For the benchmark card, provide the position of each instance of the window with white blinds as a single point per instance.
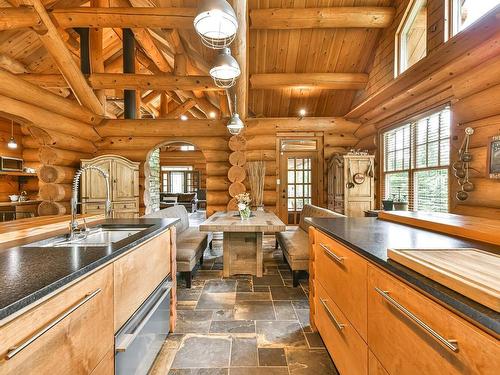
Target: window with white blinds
(416, 159)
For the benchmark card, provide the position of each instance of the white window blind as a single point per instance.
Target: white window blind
(416, 160)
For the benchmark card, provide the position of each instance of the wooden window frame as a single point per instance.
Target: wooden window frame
(408, 16)
(412, 169)
(452, 12)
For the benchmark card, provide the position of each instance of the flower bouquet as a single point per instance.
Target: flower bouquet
(243, 200)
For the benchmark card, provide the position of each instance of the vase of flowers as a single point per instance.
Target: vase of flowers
(243, 200)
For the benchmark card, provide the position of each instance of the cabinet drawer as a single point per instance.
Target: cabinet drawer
(68, 334)
(347, 348)
(107, 364)
(125, 206)
(374, 366)
(404, 345)
(138, 273)
(343, 274)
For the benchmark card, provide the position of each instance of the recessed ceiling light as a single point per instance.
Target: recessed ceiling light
(212, 114)
(184, 117)
(302, 112)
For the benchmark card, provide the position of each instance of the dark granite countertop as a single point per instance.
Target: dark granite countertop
(30, 273)
(371, 237)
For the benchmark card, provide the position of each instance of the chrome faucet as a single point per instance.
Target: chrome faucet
(73, 226)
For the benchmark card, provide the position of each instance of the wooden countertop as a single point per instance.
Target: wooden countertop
(19, 203)
(470, 227)
(20, 232)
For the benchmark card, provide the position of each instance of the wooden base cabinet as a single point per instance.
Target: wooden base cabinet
(68, 334)
(373, 323)
(404, 347)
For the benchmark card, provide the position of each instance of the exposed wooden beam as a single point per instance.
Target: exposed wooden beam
(239, 49)
(45, 80)
(14, 87)
(123, 17)
(312, 18)
(150, 82)
(327, 81)
(12, 65)
(65, 62)
(18, 18)
(96, 56)
(181, 109)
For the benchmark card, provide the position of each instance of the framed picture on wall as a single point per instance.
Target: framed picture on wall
(494, 157)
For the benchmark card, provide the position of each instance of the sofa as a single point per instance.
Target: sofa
(188, 200)
(294, 242)
(190, 242)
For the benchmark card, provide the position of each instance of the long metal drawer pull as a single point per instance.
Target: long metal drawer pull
(450, 344)
(331, 253)
(15, 350)
(339, 325)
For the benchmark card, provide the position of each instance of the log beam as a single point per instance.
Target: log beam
(62, 56)
(313, 18)
(327, 81)
(181, 109)
(123, 17)
(151, 82)
(19, 18)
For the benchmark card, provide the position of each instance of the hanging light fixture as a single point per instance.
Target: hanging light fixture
(235, 125)
(225, 70)
(216, 23)
(12, 141)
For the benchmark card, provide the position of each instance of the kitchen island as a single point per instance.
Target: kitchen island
(367, 306)
(73, 298)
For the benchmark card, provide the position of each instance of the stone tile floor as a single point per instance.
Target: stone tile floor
(243, 325)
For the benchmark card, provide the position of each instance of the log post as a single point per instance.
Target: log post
(239, 50)
(129, 67)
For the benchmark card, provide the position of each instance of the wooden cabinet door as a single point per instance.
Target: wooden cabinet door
(94, 186)
(125, 181)
(68, 334)
(138, 273)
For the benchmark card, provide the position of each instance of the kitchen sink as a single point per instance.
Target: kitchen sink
(101, 236)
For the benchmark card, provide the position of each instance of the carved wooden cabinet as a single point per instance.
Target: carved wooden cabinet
(124, 186)
(351, 188)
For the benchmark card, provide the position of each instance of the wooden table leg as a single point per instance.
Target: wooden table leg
(260, 263)
(226, 251)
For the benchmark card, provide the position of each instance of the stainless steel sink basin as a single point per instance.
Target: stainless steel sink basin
(94, 237)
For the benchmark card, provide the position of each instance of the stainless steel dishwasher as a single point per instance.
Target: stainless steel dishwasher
(140, 339)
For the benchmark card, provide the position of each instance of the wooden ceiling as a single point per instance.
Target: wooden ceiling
(272, 48)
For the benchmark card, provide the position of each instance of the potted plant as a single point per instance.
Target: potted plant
(243, 200)
(400, 203)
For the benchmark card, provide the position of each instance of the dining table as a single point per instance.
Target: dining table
(242, 239)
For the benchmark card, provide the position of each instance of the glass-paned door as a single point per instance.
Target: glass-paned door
(297, 185)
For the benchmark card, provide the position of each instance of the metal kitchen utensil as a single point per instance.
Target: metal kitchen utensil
(369, 171)
(349, 184)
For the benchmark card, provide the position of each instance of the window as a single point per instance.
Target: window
(187, 148)
(416, 158)
(466, 12)
(179, 179)
(411, 38)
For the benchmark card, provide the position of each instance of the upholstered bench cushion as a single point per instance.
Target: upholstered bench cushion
(295, 242)
(171, 212)
(189, 243)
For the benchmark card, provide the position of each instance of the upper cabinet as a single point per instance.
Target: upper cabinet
(124, 186)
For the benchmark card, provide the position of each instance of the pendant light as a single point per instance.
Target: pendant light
(12, 141)
(216, 23)
(235, 125)
(225, 70)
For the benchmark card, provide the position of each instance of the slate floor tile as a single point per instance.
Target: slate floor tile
(188, 294)
(193, 321)
(303, 316)
(258, 371)
(244, 286)
(253, 296)
(200, 371)
(268, 280)
(277, 334)
(314, 340)
(254, 310)
(219, 286)
(272, 357)
(193, 352)
(261, 288)
(232, 326)
(215, 301)
(310, 361)
(244, 351)
(280, 293)
(223, 315)
(284, 310)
